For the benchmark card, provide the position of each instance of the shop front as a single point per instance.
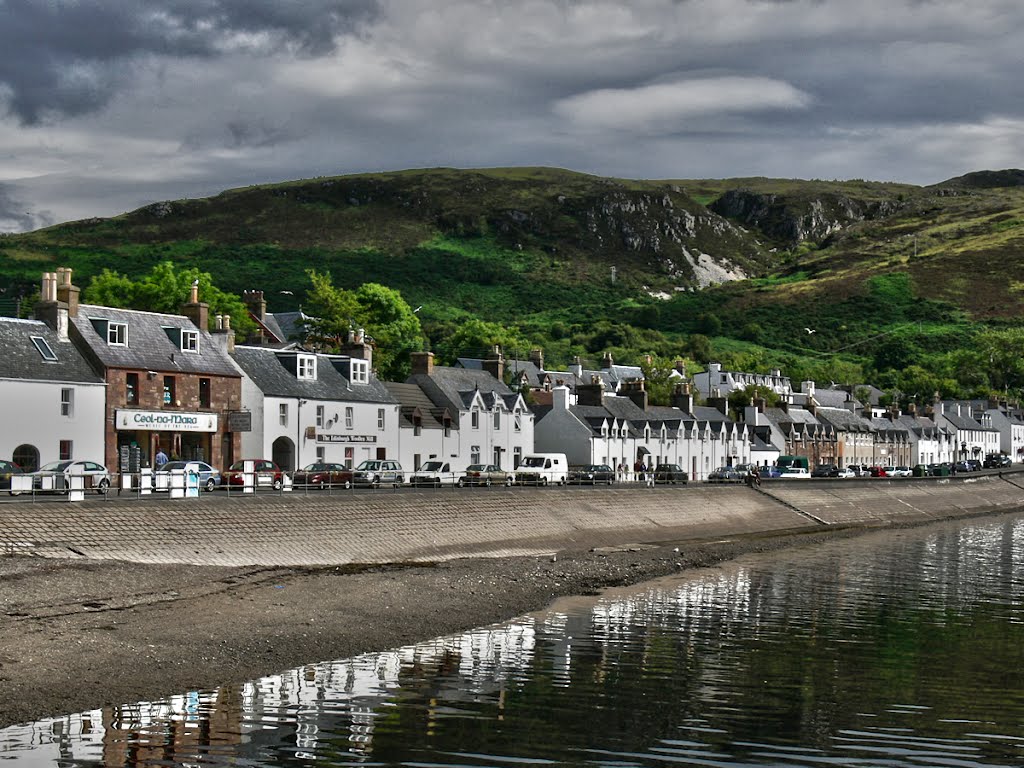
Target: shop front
(179, 435)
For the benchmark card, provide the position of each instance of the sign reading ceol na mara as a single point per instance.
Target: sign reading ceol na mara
(165, 421)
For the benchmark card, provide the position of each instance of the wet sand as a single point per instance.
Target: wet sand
(81, 634)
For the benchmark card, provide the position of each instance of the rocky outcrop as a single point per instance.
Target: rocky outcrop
(794, 220)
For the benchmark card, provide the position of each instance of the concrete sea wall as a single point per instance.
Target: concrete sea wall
(296, 529)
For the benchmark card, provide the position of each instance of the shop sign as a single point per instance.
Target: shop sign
(346, 438)
(165, 421)
(240, 421)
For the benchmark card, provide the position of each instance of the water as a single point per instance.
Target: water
(901, 648)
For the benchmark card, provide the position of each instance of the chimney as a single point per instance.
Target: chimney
(357, 346)
(195, 310)
(590, 394)
(784, 404)
(576, 369)
(811, 405)
(256, 304)
(720, 404)
(636, 392)
(607, 362)
(681, 367)
(759, 403)
(682, 398)
(912, 409)
(495, 364)
(50, 311)
(537, 358)
(222, 333)
(422, 363)
(560, 398)
(807, 388)
(66, 292)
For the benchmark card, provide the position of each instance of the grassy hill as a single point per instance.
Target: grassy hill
(579, 263)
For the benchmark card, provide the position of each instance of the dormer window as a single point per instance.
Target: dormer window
(43, 347)
(189, 340)
(306, 367)
(117, 334)
(360, 372)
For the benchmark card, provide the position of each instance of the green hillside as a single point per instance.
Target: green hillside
(580, 264)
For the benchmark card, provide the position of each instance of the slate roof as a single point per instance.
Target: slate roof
(454, 388)
(410, 399)
(21, 359)
(832, 398)
(269, 370)
(963, 421)
(149, 347)
(844, 420)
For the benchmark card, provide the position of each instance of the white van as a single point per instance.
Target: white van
(543, 469)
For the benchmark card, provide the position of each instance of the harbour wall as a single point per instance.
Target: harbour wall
(313, 529)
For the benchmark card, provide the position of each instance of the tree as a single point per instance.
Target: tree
(165, 289)
(658, 379)
(380, 311)
(476, 338)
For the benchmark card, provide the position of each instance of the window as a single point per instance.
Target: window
(497, 421)
(348, 417)
(518, 417)
(66, 450)
(517, 456)
(360, 372)
(67, 402)
(350, 455)
(319, 416)
(306, 367)
(131, 388)
(282, 414)
(189, 340)
(321, 454)
(44, 349)
(117, 334)
(380, 419)
(169, 398)
(475, 421)
(204, 393)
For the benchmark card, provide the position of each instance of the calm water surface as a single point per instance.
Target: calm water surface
(903, 648)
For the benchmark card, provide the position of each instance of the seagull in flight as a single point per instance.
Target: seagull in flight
(810, 330)
(417, 309)
(287, 293)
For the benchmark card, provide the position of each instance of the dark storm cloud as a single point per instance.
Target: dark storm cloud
(14, 217)
(68, 58)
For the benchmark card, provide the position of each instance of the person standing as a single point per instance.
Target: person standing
(160, 459)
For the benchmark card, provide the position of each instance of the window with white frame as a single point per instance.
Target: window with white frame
(518, 421)
(282, 414)
(321, 454)
(117, 334)
(497, 421)
(380, 419)
(360, 372)
(319, 416)
(189, 340)
(348, 417)
(306, 367)
(67, 402)
(475, 422)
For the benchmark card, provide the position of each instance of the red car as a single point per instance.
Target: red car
(324, 475)
(266, 473)
(878, 472)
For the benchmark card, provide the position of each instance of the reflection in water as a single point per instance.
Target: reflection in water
(897, 649)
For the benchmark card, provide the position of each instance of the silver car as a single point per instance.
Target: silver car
(378, 472)
(56, 476)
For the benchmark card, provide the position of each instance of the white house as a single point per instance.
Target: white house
(51, 400)
(307, 407)
(488, 422)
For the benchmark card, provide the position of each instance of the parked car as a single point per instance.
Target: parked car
(671, 474)
(378, 472)
(845, 473)
(486, 475)
(795, 473)
(825, 470)
(434, 474)
(901, 471)
(8, 468)
(265, 472)
(323, 474)
(591, 474)
(728, 473)
(209, 478)
(963, 466)
(877, 471)
(57, 475)
(997, 461)
(769, 472)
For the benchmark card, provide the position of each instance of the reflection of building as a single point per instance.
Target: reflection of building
(170, 384)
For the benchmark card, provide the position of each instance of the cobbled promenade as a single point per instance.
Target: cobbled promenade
(388, 526)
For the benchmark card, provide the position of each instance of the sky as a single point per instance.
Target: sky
(108, 105)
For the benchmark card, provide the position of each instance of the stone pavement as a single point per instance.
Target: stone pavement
(297, 529)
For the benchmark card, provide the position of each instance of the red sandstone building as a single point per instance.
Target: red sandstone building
(171, 384)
